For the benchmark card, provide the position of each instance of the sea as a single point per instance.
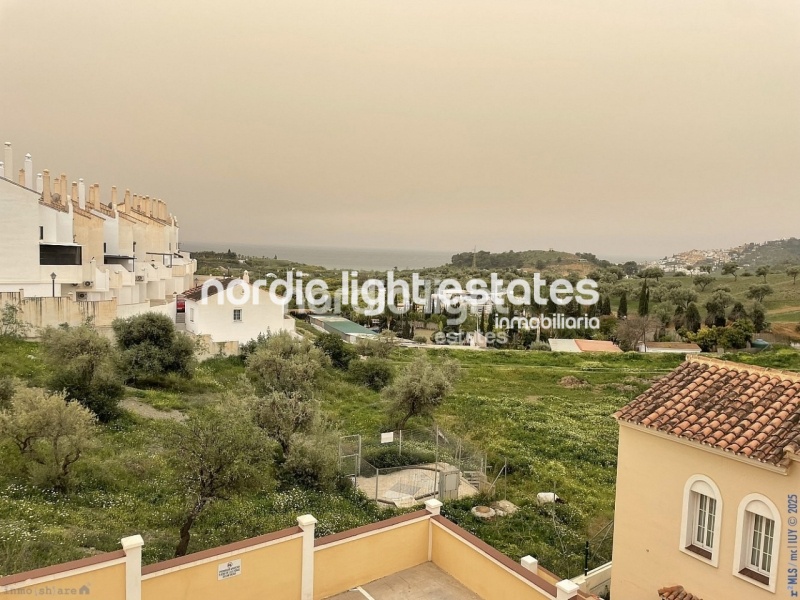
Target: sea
(367, 259)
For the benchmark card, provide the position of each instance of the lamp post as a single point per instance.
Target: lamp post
(53, 278)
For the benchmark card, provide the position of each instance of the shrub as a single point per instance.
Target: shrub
(413, 453)
(50, 432)
(374, 373)
(421, 387)
(11, 326)
(151, 347)
(312, 462)
(540, 346)
(83, 366)
(7, 386)
(285, 364)
(339, 353)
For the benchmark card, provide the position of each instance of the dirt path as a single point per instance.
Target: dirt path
(783, 309)
(148, 412)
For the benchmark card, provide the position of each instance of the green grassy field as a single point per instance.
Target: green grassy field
(556, 434)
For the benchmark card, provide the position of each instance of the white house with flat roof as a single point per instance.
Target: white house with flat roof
(233, 312)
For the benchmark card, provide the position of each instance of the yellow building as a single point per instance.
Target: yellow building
(419, 555)
(707, 489)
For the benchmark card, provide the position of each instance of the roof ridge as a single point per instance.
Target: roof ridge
(737, 366)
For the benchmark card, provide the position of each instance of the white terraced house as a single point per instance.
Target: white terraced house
(69, 254)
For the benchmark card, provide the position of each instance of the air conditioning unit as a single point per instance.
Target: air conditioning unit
(140, 278)
(82, 296)
(87, 284)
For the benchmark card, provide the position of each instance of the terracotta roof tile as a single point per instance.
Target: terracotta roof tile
(676, 592)
(746, 410)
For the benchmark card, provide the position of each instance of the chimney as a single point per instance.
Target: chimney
(8, 160)
(39, 183)
(21, 177)
(127, 201)
(46, 191)
(147, 206)
(63, 188)
(93, 195)
(81, 194)
(74, 196)
(28, 172)
(113, 196)
(2, 170)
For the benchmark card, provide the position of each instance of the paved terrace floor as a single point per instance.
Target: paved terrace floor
(423, 582)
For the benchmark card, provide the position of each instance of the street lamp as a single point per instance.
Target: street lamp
(53, 277)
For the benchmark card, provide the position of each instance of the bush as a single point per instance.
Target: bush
(312, 462)
(374, 373)
(413, 453)
(336, 349)
(420, 339)
(285, 364)
(83, 366)
(50, 433)
(7, 386)
(11, 326)
(151, 347)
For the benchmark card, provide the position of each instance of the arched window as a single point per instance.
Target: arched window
(702, 512)
(758, 534)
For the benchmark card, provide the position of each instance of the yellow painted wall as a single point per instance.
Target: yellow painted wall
(476, 571)
(652, 474)
(52, 312)
(343, 566)
(89, 232)
(107, 583)
(272, 572)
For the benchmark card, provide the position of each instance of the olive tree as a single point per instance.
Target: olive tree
(83, 366)
(51, 433)
(285, 364)
(217, 453)
(420, 387)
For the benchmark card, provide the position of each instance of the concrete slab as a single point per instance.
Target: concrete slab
(423, 582)
(410, 486)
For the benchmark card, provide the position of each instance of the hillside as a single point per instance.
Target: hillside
(773, 253)
(554, 260)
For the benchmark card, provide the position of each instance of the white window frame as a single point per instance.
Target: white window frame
(751, 506)
(697, 486)
(241, 315)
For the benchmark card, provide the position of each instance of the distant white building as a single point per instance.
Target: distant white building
(69, 254)
(224, 325)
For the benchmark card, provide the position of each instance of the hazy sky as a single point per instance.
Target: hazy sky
(618, 127)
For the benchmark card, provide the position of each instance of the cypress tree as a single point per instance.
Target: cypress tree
(692, 320)
(644, 300)
(605, 306)
(622, 310)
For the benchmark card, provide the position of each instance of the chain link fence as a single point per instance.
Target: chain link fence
(406, 467)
